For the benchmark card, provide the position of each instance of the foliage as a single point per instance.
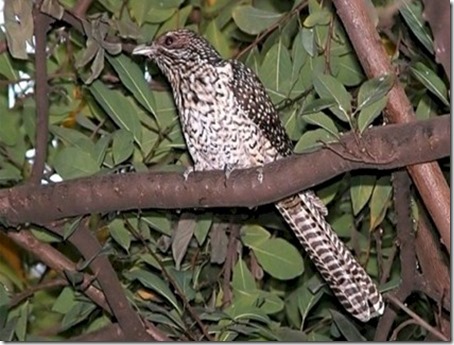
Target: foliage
(105, 118)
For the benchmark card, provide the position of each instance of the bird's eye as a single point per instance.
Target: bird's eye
(168, 41)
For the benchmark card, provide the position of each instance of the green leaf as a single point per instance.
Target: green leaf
(96, 67)
(271, 304)
(22, 321)
(158, 15)
(72, 162)
(307, 300)
(7, 332)
(242, 278)
(79, 312)
(253, 20)
(309, 43)
(203, 227)
(122, 145)
(133, 79)
(113, 103)
(65, 301)
(320, 17)
(6, 67)
(312, 140)
(253, 235)
(374, 90)
(158, 221)
(9, 129)
(70, 227)
(425, 108)
(329, 87)
(45, 235)
(275, 72)
(347, 69)
(53, 8)
(370, 112)
(412, 13)
(72, 137)
(323, 121)
(317, 105)
(299, 56)
(430, 80)
(379, 202)
(184, 281)
(19, 27)
(182, 236)
(100, 149)
(154, 282)
(279, 258)
(120, 234)
(346, 327)
(217, 39)
(360, 191)
(178, 20)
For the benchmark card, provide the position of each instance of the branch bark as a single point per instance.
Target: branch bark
(428, 177)
(41, 25)
(390, 146)
(87, 244)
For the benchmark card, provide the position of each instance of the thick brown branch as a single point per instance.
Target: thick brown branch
(56, 260)
(392, 146)
(371, 53)
(87, 244)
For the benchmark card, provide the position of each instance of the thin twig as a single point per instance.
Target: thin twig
(417, 318)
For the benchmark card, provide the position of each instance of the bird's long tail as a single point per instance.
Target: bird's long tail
(350, 283)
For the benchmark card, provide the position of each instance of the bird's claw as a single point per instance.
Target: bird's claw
(228, 168)
(260, 174)
(188, 172)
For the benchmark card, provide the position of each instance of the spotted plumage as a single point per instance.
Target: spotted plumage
(229, 122)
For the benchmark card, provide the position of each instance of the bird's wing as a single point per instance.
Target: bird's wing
(253, 99)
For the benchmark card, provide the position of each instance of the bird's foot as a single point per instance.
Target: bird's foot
(228, 168)
(188, 172)
(260, 174)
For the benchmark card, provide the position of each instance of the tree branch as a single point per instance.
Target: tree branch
(391, 146)
(41, 25)
(87, 244)
(371, 53)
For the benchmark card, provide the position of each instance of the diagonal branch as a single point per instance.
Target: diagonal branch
(85, 242)
(428, 177)
(391, 146)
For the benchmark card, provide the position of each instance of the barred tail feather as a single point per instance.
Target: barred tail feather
(345, 276)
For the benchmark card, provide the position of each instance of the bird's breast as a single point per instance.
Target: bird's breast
(217, 131)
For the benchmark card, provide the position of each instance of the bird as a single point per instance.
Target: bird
(229, 122)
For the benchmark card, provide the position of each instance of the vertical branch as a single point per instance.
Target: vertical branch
(41, 25)
(406, 243)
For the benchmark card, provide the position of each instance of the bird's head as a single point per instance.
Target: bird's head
(178, 51)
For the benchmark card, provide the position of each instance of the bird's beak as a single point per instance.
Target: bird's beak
(144, 50)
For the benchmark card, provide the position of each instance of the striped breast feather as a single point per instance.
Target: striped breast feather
(344, 275)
